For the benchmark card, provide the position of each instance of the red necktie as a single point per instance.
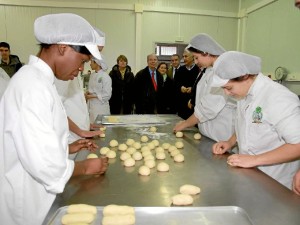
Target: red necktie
(153, 81)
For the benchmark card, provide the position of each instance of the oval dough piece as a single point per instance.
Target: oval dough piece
(182, 199)
(150, 163)
(104, 150)
(137, 156)
(160, 155)
(189, 189)
(179, 158)
(78, 218)
(113, 143)
(137, 145)
(119, 220)
(102, 135)
(122, 147)
(92, 156)
(144, 171)
(179, 144)
(111, 210)
(111, 154)
(162, 167)
(130, 142)
(153, 129)
(124, 156)
(144, 138)
(197, 136)
(129, 162)
(131, 150)
(179, 134)
(82, 208)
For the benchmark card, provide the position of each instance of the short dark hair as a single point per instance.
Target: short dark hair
(5, 45)
(122, 57)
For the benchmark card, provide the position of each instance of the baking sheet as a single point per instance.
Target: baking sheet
(132, 119)
(223, 215)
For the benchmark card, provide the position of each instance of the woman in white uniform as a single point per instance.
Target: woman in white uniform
(4, 79)
(99, 90)
(214, 111)
(34, 164)
(267, 128)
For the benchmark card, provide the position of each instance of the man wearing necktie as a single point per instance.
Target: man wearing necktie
(147, 84)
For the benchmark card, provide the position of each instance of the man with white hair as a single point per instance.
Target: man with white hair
(34, 164)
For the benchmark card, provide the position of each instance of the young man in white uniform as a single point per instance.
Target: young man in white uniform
(214, 111)
(267, 128)
(34, 164)
(4, 79)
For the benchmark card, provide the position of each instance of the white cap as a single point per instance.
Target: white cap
(206, 43)
(101, 63)
(67, 28)
(234, 64)
(101, 38)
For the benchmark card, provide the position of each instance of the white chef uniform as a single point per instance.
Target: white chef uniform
(34, 163)
(278, 123)
(214, 110)
(100, 85)
(4, 79)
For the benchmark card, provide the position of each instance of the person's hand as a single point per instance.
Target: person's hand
(245, 161)
(188, 90)
(95, 166)
(296, 183)
(179, 126)
(221, 147)
(82, 144)
(183, 89)
(190, 105)
(88, 133)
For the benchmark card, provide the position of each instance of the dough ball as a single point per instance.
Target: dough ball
(122, 147)
(129, 142)
(92, 156)
(102, 135)
(82, 208)
(189, 189)
(145, 149)
(179, 158)
(197, 136)
(137, 156)
(137, 145)
(182, 199)
(144, 138)
(129, 162)
(159, 149)
(179, 144)
(166, 146)
(111, 154)
(155, 142)
(144, 171)
(172, 148)
(111, 210)
(126, 219)
(147, 157)
(179, 134)
(102, 128)
(104, 150)
(113, 143)
(174, 153)
(150, 163)
(74, 218)
(153, 129)
(162, 167)
(124, 156)
(160, 155)
(131, 150)
(151, 146)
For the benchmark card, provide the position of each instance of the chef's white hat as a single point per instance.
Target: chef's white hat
(205, 43)
(101, 63)
(234, 64)
(67, 28)
(101, 38)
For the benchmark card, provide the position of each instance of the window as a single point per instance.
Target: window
(164, 51)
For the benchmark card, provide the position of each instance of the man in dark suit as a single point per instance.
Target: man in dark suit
(148, 83)
(175, 64)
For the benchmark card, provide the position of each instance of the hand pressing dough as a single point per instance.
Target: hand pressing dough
(92, 156)
(137, 145)
(102, 135)
(165, 146)
(144, 171)
(122, 147)
(197, 136)
(130, 142)
(179, 158)
(189, 189)
(160, 155)
(179, 144)
(131, 150)
(137, 156)
(104, 150)
(155, 142)
(111, 154)
(78, 218)
(81, 208)
(153, 129)
(144, 138)
(162, 167)
(119, 220)
(113, 143)
(150, 163)
(129, 162)
(124, 156)
(179, 134)
(111, 210)
(182, 199)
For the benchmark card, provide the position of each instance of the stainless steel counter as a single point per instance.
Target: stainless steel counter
(265, 200)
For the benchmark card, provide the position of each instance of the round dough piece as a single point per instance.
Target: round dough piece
(144, 171)
(129, 142)
(123, 147)
(172, 148)
(137, 145)
(174, 153)
(182, 199)
(153, 129)
(111, 154)
(144, 138)
(129, 162)
(189, 189)
(160, 155)
(155, 142)
(124, 156)
(113, 143)
(147, 157)
(179, 144)
(145, 153)
(102, 128)
(159, 149)
(102, 135)
(137, 156)
(179, 158)
(150, 163)
(166, 146)
(131, 150)
(179, 134)
(104, 150)
(162, 167)
(145, 149)
(92, 156)
(151, 146)
(197, 136)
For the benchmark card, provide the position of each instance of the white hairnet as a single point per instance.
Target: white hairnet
(234, 64)
(205, 43)
(102, 37)
(101, 63)
(67, 28)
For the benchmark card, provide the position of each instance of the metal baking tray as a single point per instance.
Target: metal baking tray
(220, 215)
(132, 119)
